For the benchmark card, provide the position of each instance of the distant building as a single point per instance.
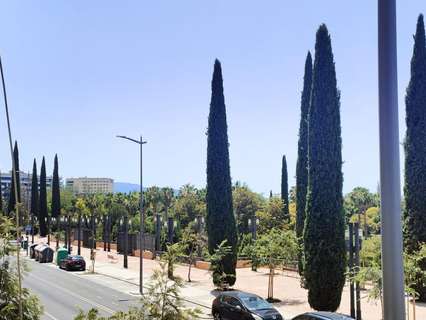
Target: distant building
(87, 185)
(25, 180)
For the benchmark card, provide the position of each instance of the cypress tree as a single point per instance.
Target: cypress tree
(324, 234)
(415, 149)
(220, 217)
(12, 198)
(284, 188)
(302, 160)
(56, 195)
(34, 191)
(43, 201)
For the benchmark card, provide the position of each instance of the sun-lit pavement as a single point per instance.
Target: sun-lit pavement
(286, 285)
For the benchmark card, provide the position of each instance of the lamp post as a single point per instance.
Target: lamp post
(104, 233)
(199, 220)
(171, 225)
(79, 234)
(253, 223)
(47, 220)
(157, 233)
(390, 184)
(124, 223)
(141, 227)
(109, 232)
(69, 233)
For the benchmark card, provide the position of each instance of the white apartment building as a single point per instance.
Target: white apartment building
(85, 185)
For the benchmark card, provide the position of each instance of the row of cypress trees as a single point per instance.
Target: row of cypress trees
(39, 196)
(38, 207)
(319, 181)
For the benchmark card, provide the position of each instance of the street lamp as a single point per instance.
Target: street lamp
(157, 233)
(124, 223)
(141, 230)
(170, 224)
(253, 223)
(79, 234)
(199, 220)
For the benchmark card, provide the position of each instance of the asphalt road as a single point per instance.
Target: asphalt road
(64, 293)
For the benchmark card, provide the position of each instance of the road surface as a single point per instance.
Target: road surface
(64, 293)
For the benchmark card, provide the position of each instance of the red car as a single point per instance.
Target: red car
(73, 263)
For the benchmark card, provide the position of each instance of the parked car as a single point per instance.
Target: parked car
(322, 316)
(238, 305)
(73, 262)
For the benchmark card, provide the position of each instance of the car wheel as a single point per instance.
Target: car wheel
(217, 316)
(67, 267)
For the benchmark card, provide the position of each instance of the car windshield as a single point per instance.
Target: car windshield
(255, 303)
(76, 258)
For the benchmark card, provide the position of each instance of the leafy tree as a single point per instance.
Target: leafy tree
(218, 267)
(276, 248)
(9, 282)
(189, 204)
(246, 204)
(34, 191)
(188, 245)
(220, 216)
(302, 160)
(171, 257)
(324, 233)
(415, 148)
(43, 215)
(284, 188)
(12, 197)
(271, 215)
(372, 220)
(56, 193)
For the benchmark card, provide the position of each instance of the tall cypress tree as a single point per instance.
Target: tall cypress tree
(284, 188)
(43, 215)
(56, 195)
(220, 217)
(302, 160)
(324, 234)
(34, 191)
(12, 198)
(415, 148)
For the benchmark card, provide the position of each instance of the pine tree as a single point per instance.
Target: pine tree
(43, 215)
(12, 197)
(302, 160)
(284, 188)
(415, 149)
(34, 191)
(324, 234)
(56, 195)
(220, 217)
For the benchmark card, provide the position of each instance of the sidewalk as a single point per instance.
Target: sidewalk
(201, 290)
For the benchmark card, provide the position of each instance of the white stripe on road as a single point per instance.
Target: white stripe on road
(50, 316)
(99, 306)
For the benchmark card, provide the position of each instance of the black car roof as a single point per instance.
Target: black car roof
(237, 294)
(330, 315)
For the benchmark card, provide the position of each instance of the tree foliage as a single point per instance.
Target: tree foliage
(284, 188)
(9, 285)
(220, 216)
(302, 159)
(43, 215)
(12, 197)
(56, 193)
(324, 233)
(415, 147)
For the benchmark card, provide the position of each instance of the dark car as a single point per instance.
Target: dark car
(73, 263)
(322, 316)
(237, 305)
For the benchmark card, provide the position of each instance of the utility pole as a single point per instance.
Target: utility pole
(392, 268)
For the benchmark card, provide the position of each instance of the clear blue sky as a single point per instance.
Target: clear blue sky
(80, 72)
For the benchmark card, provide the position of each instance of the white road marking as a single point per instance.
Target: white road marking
(99, 306)
(50, 316)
